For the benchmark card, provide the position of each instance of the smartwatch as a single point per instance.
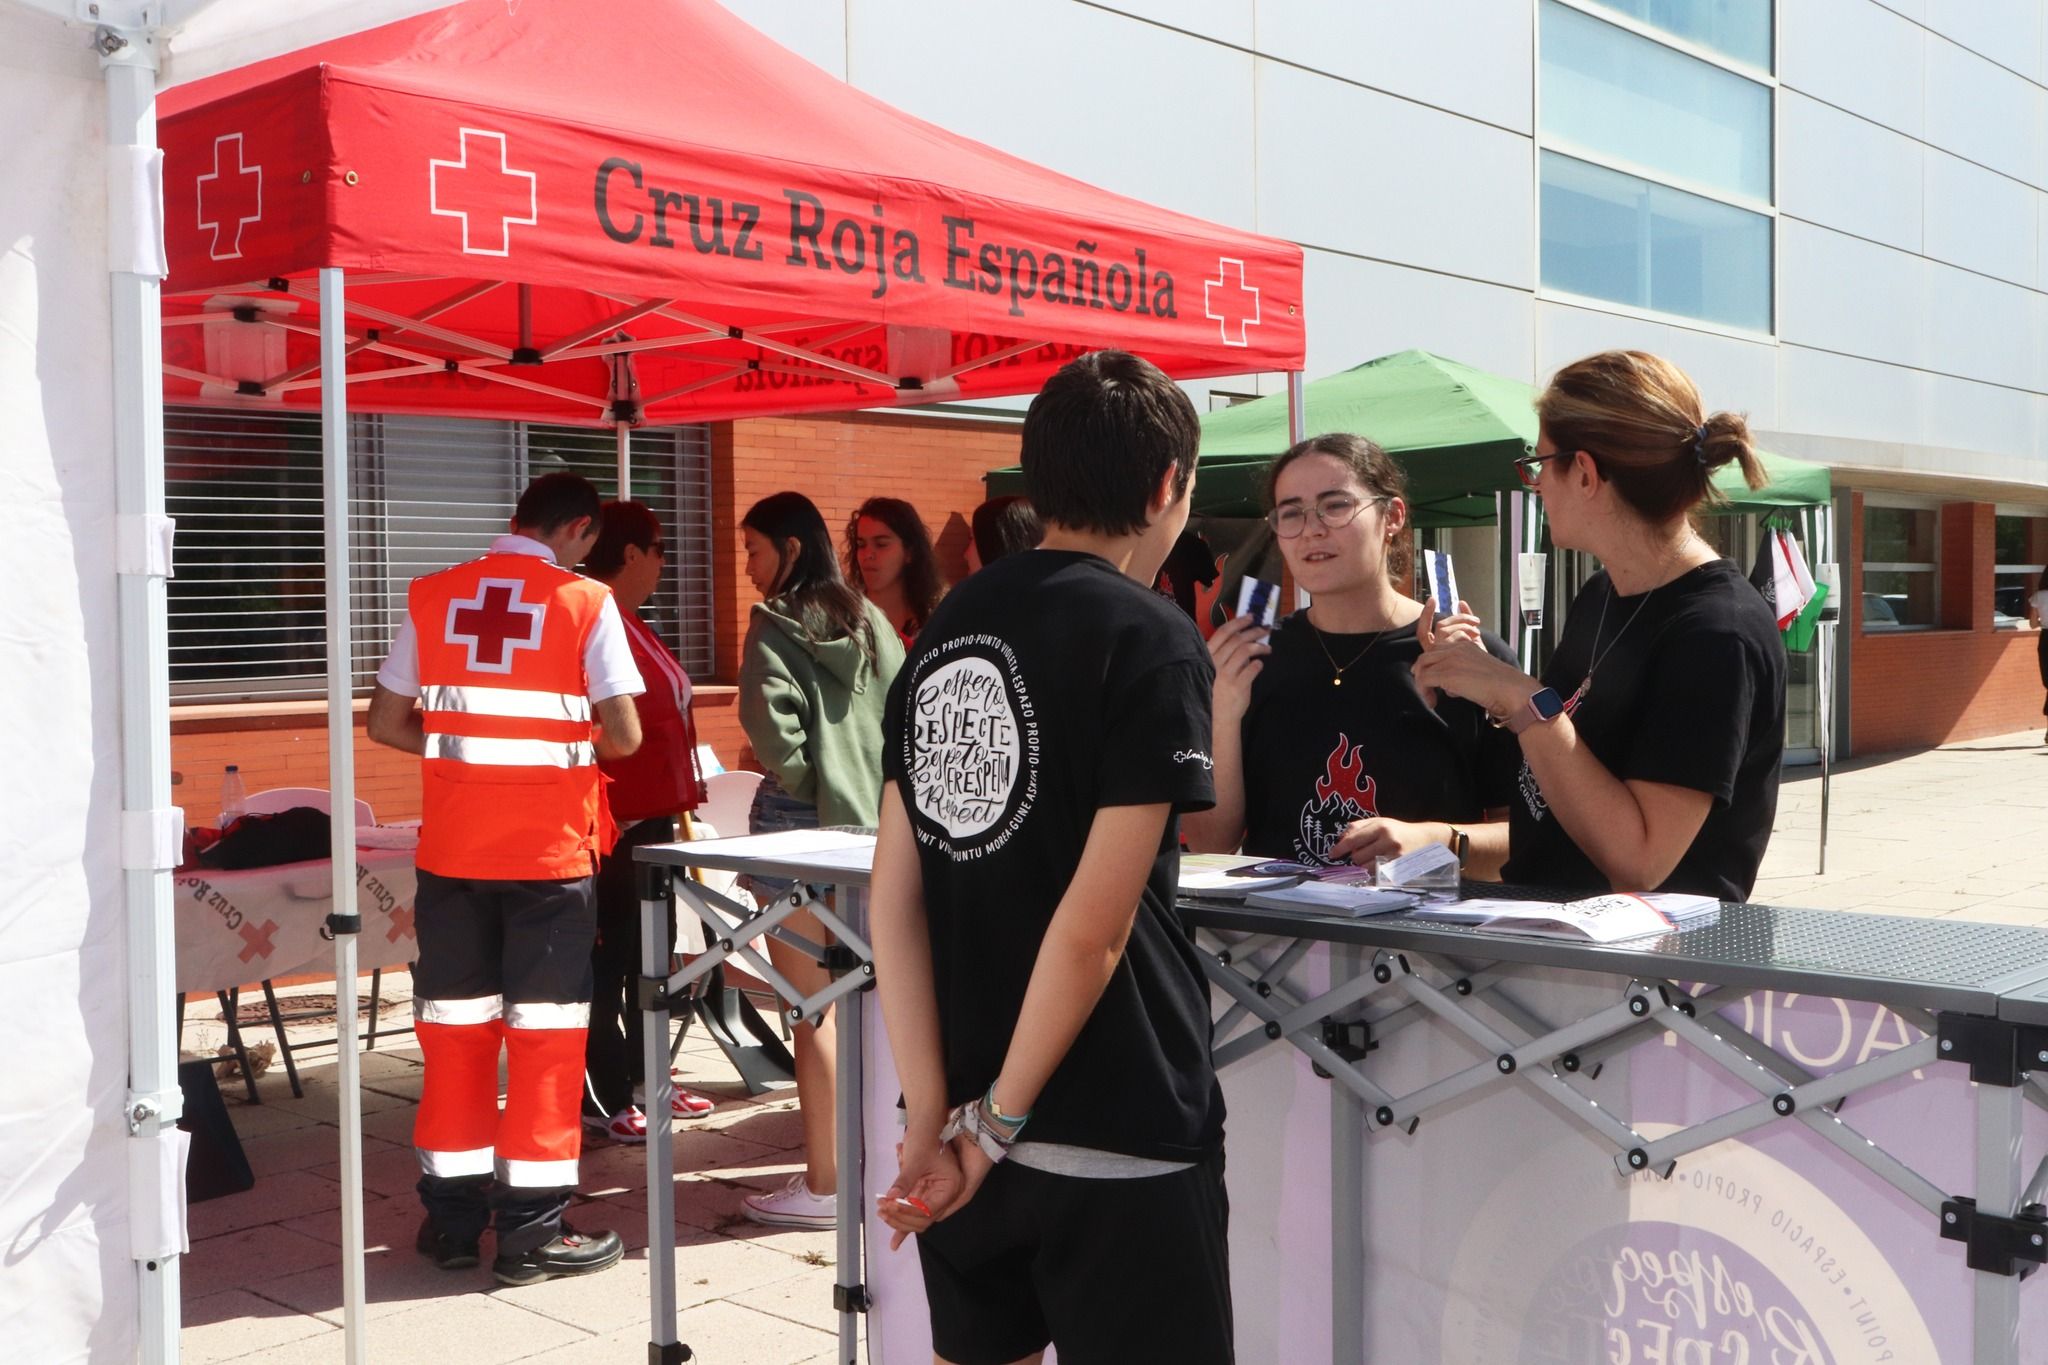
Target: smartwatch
(1461, 843)
(1545, 705)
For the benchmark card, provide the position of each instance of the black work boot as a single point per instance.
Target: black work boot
(569, 1253)
(446, 1251)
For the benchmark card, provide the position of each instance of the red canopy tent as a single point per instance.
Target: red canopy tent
(639, 211)
(646, 211)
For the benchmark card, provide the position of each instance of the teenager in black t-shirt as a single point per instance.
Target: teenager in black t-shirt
(1651, 747)
(1326, 750)
(1061, 1163)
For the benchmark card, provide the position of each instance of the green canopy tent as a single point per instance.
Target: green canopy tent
(1456, 431)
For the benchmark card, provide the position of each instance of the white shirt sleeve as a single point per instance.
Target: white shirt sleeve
(608, 658)
(401, 670)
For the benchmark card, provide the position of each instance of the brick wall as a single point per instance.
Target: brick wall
(1917, 689)
(838, 462)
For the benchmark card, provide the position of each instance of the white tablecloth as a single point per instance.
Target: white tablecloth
(235, 928)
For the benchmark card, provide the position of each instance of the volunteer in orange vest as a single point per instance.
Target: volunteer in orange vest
(510, 678)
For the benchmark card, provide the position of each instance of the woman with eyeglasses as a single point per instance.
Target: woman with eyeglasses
(647, 790)
(1651, 746)
(1326, 751)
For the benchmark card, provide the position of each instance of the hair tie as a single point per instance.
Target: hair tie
(1699, 443)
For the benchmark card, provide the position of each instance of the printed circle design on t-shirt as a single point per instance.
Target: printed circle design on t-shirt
(967, 744)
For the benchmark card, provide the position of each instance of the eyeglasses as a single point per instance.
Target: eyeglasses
(1530, 467)
(1333, 510)
(657, 549)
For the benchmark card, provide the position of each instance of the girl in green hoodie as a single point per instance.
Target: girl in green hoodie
(814, 676)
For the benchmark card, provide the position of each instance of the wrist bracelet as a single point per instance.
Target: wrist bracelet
(1014, 1124)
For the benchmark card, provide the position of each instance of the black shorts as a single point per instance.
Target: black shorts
(1113, 1272)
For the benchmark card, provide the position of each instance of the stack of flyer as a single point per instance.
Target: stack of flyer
(1598, 919)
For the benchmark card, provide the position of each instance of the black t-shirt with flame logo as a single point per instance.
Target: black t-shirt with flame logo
(1318, 757)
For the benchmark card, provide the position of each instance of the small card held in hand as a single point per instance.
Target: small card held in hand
(1443, 582)
(1259, 599)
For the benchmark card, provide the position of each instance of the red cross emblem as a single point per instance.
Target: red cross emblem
(401, 925)
(257, 941)
(1230, 301)
(230, 198)
(481, 189)
(495, 624)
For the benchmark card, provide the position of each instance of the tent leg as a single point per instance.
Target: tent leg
(341, 784)
(153, 1103)
(1297, 431)
(625, 431)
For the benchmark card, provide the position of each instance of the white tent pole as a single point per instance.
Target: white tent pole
(625, 431)
(1297, 431)
(149, 822)
(341, 785)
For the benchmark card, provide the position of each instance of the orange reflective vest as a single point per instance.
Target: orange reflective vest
(509, 784)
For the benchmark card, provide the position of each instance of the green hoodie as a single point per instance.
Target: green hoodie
(812, 709)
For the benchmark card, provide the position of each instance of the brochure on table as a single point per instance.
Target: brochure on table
(1597, 919)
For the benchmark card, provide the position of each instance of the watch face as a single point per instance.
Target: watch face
(1547, 703)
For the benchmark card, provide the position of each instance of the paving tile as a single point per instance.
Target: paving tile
(708, 1267)
(722, 1332)
(245, 1257)
(235, 1322)
(800, 1298)
(470, 1328)
(274, 1199)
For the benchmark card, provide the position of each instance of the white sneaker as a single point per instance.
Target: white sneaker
(794, 1206)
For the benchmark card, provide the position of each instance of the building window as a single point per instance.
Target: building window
(248, 606)
(1656, 163)
(2022, 554)
(1901, 556)
(1739, 30)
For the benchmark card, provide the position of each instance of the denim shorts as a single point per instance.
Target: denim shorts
(775, 810)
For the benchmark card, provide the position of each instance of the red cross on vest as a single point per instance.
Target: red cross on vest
(1233, 304)
(230, 197)
(257, 941)
(485, 192)
(495, 624)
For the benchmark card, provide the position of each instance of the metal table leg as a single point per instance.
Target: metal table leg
(1347, 1199)
(663, 1346)
(850, 1293)
(1995, 1325)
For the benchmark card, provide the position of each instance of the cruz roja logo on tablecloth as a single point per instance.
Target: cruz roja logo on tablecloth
(230, 197)
(495, 624)
(483, 189)
(971, 747)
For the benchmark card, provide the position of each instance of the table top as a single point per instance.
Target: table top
(832, 857)
(1927, 964)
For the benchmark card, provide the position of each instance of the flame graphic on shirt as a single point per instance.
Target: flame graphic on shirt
(1342, 772)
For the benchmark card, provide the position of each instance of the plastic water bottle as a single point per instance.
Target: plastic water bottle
(233, 796)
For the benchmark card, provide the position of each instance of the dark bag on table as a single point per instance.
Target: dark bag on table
(286, 836)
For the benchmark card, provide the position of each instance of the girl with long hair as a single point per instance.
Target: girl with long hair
(890, 561)
(814, 675)
(1325, 749)
(1651, 745)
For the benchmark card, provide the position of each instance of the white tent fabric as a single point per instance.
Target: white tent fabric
(71, 1285)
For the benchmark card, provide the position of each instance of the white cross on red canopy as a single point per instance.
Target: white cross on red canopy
(495, 624)
(1230, 301)
(485, 192)
(230, 198)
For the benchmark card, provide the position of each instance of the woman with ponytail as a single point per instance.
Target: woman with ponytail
(1650, 747)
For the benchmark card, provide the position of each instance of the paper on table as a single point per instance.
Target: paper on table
(1212, 874)
(788, 843)
(1337, 897)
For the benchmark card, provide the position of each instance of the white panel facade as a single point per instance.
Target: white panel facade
(1858, 56)
(1227, 21)
(1981, 220)
(1840, 293)
(1983, 112)
(1845, 172)
(2008, 31)
(1733, 374)
(1982, 329)
(1474, 57)
(1128, 105)
(1426, 188)
(1364, 309)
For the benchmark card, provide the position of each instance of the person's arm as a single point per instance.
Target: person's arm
(1363, 841)
(1081, 948)
(394, 720)
(1634, 831)
(618, 727)
(927, 1169)
(776, 717)
(1239, 650)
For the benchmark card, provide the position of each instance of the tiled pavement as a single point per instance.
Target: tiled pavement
(1960, 831)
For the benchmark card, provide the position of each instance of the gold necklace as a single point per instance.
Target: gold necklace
(1338, 670)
